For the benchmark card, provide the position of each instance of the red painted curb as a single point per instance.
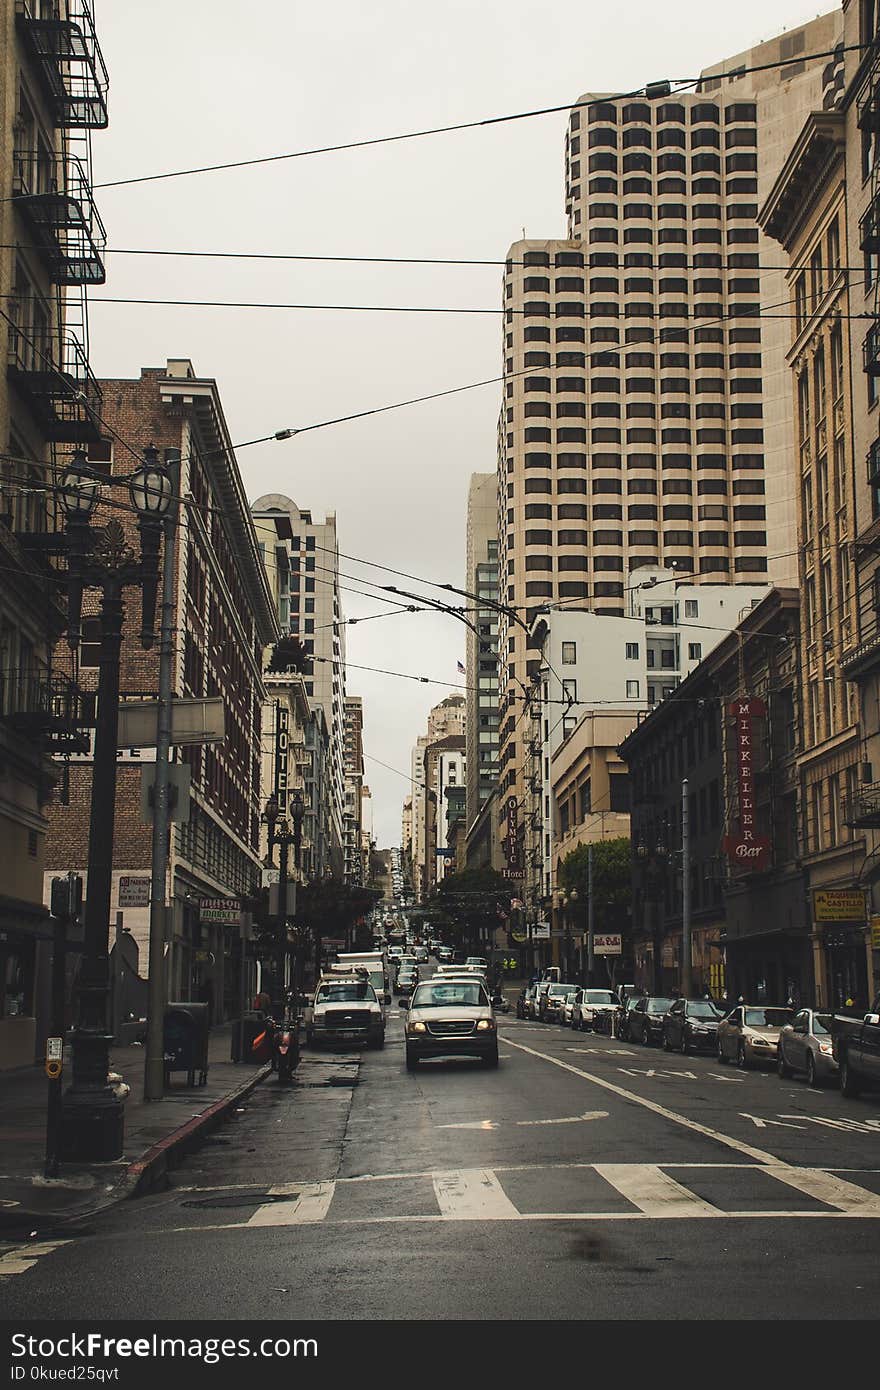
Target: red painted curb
(136, 1172)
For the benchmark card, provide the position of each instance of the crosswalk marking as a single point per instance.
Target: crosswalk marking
(473, 1194)
(825, 1187)
(310, 1202)
(654, 1192)
(18, 1261)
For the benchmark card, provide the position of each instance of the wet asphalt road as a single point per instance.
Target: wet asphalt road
(585, 1178)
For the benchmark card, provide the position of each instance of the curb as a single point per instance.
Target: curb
(147, 1173)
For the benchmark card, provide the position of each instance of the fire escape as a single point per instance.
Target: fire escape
(48, 360)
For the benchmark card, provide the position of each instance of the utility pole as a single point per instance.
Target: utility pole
(154, 1062)
(590, 915)
(685, 892)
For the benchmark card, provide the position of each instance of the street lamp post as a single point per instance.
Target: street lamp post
(280, 834)
(93, 1116)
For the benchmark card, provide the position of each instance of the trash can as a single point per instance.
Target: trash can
(186, 1041)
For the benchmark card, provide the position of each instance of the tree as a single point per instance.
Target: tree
(476, 900)
(612, 885)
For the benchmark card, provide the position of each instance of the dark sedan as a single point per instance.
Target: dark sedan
(691, 1025)
(645, 1020)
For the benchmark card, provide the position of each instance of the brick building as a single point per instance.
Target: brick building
(224, 619)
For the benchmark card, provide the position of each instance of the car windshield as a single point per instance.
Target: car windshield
(659, 1006)
(449, 993)
(599, 996)
(561, 991)
(768, 1018)
(345, 994)
(821, 1024)
(702, 1008)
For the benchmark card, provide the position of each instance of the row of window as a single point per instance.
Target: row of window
(737, 361)
(659, 188)
(667, 385)
(739, 540)
(667, 137)
(605, 435)
(537, 333)
(700, 112)
(680, 211)
(638, 161)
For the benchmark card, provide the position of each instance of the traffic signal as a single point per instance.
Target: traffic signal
(67, 897)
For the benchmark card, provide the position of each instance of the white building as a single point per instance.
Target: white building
(595, 661)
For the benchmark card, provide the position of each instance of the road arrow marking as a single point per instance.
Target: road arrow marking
(472, 1124)
(762, 1124)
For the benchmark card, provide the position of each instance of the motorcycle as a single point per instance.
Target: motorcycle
(285, 1043)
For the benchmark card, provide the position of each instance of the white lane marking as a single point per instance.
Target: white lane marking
(654, 1192)
(310, 1202)
(473, 1194)
(653, 1106)
(663, 1074)
(570, 1119)
(471, 1124)
(849, 1126)
(20, 1260)
(825, 1187)
(604, 1051)
(762, 1124)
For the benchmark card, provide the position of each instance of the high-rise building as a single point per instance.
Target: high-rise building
(446, 729)
(481, 663)
(647, 415)
(307, 553)
(52, 241)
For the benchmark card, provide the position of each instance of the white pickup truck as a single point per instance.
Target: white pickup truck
(345, 1010)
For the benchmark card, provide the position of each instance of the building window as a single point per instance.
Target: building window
(569, 653)
(691, 608)
(568, 726)
(632, 690)
(695, 651)
(569, 690)
(632, 651)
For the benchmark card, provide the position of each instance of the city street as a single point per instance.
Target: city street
(585, 1178)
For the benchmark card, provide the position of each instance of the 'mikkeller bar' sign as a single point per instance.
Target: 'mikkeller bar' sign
(746, 849)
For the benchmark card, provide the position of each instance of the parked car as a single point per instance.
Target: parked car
(450, 1018)
(805, 1045)
(749, 1035)
(540, 996)
(444, 953)
(856, 1044)
(645, 1019)
(529, 1001)
(691, 1024)
(589, 1004)
(566, 1007)
(626, 1008)
(552, 1002)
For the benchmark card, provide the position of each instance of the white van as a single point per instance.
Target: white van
(376, 965)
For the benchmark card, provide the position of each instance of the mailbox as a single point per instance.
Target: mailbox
(186, 1041)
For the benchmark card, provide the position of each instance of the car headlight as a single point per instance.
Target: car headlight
(827, 1049)
(416, 1028)
(760, 1042)
(485, 1025)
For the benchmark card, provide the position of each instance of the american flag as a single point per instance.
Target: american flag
(461, 668)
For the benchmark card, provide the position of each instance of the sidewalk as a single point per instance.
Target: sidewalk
(155, 1132)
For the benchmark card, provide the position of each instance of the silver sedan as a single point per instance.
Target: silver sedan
(805, 1046)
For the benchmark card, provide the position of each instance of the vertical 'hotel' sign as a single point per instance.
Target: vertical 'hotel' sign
(746, 849)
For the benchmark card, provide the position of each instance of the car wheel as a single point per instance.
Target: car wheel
(783, 1070)
(849, 1085)
(742, 1060)
(684, 1046)
(412, 1060)
(812, 1074)
(720, 1053)
(646, 1038)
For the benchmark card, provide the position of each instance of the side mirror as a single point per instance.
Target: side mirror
(873, 1019)
(404, 1003)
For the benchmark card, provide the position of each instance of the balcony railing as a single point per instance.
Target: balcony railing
(869, 109)
(54, 197)
(869, 228)
(871, 352)
(43, 708)
(51, 371)
(863, 808)
(873, 460)
(68, 59)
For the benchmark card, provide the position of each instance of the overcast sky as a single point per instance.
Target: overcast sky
(208, 81)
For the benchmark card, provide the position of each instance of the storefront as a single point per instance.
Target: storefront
(842, 947)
